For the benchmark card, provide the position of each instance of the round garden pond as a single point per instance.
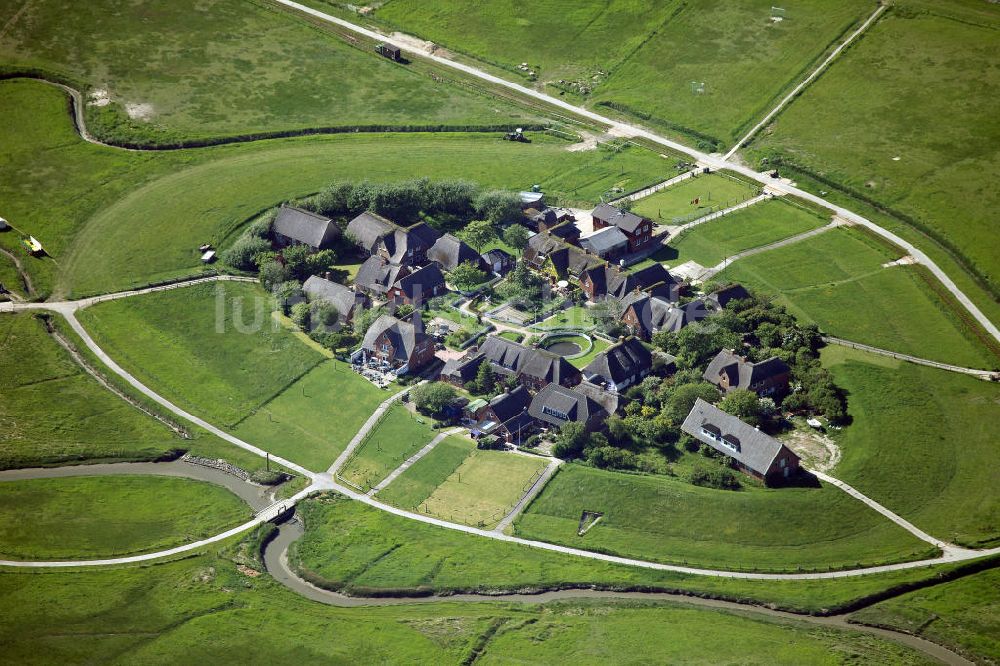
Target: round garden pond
(568, 345)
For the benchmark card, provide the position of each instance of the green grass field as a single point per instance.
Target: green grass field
(358, 549)
(599, 346)
(674, 205)
(212, 348)
(920, 441)
(202, 608)
(669, 520)
(644, 55)
(483, 488)
(764, 223)
(92, 517)
(52, 412)
(417, 483)
(227, 67)
(313, 419)
(961, 614)
(837, 281)
(397, 436)
(904, 117)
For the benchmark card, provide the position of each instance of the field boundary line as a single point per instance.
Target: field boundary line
(684, 228)
(381, 485)
(991, 375)
(532, 492)
(809, 79)
(372, 421)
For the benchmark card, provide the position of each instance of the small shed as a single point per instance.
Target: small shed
(389, 51)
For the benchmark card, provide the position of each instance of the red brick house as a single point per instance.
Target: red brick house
(730, 371)
(638, 230)
(398, 343)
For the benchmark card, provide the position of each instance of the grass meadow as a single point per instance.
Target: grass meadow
(93, 517)
(668, 520)
(920, 441)
(204, 609)
(644, 56)
(837, 281)
(905, 119)
(192, 69)
(416, 484)
(761, 224)
(312, 420)
(961, 615)
(675, 205)
(52, 412)
(399, 435)
(483, 488)
(187, 344)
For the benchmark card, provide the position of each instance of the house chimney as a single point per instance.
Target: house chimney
(417, 321)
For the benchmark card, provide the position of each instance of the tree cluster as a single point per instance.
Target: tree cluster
(433, 397)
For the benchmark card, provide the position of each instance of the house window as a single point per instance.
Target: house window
(554, 412)
(385, 347)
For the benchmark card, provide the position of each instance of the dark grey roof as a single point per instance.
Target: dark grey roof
(404, 336)
(496, 254)
(511, 357)
(734, 292)
(558, 405)
(420, 284)
(741, 372)
(377, 275)
(531, 198)
(402, 243)
(449, 252)
(747, 445)
(604, 241)
(616, 217)
(367, 229)
(566, 259)
(341, 297)
(509, 405)
(628, 359)
(566, 231)
(305, 226)
(464, 368)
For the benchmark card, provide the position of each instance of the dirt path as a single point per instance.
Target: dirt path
(29, 288)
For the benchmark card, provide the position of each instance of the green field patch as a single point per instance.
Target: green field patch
(417, 483)
(52, 412)
(193, 69)
(669, 520)
(961, 614)
(314, 418)
(399, 435)
(761, 224)
(212, 348)
(922, 442)
(695, 197)
(95, 517)
(905, 118)
(837, 281)
(484, 488)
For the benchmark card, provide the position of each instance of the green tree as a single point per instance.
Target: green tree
(521, 285)
(516, 236)
(272, 274)
(478, 233)
(682, 399)
(742, 403)
(498, 207)
(296, 260)
(485, 381)
(300, 314)
(323, 314)
(319, 262)
(241, 255)
(433, 397)
(287, 294)
(571, 441)
(466, 276)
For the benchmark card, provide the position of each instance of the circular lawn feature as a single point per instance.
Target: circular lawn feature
(567, 345)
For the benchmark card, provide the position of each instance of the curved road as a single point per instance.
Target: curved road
(713, 161)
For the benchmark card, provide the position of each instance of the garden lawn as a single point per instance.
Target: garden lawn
(414, 485)
(137, 615)
(577, 316)
(676, 204)
(52, 412)
(397, 436)
(904, 118)
(359, 549)
(599, 346)
(484, 488)
(668, 520)
(193, 68)
(313, 419)
(108, 516)
(837, 281)
(761, 224)
(962, 615)
(211, 348)
(922, 442)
